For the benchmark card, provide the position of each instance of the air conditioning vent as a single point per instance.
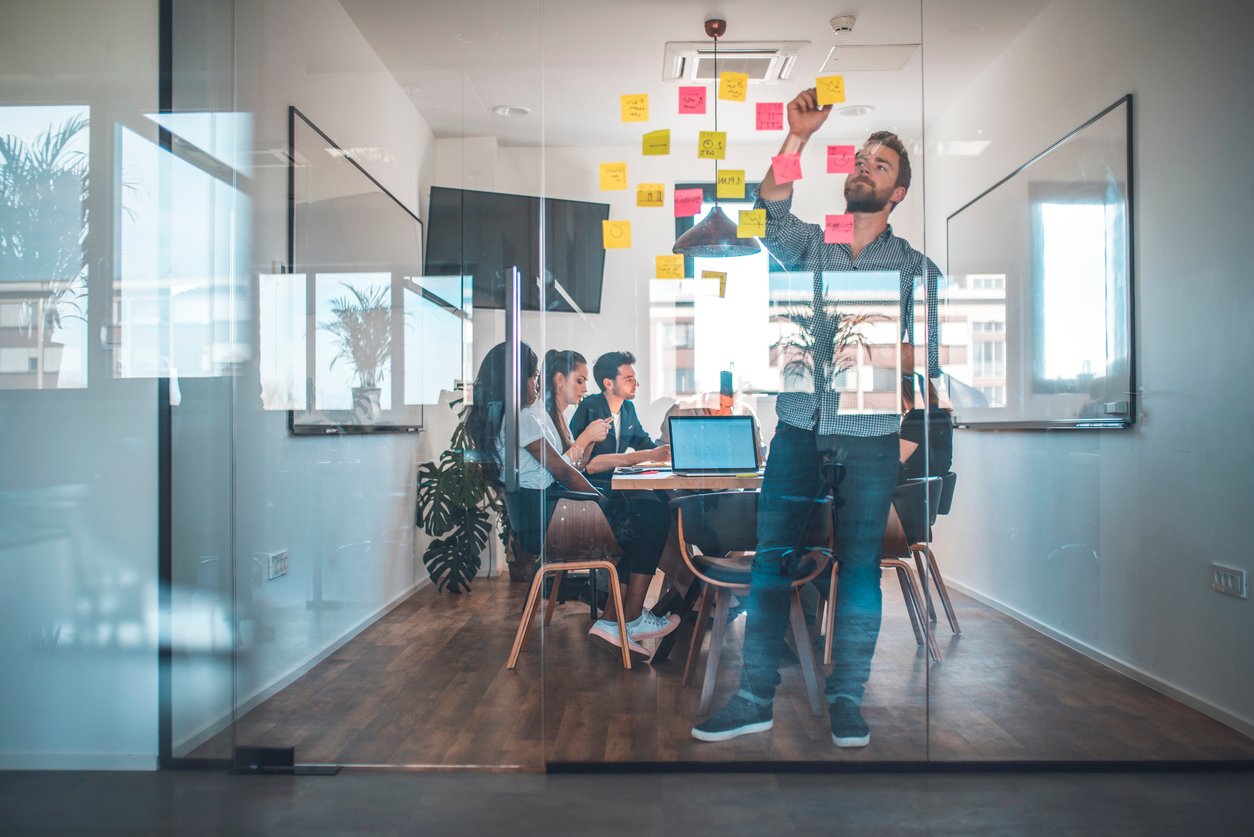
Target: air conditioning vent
(764, 62)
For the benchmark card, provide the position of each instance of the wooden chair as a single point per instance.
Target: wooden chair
(578, 537)
(723, 526)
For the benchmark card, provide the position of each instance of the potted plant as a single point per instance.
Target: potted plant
(362, 330)
(43, 233)
(454, 507)
(810, 358)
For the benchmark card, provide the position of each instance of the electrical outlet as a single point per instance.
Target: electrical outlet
(1228, 580)
(276, 563)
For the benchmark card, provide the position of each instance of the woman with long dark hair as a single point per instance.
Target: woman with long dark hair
(566, 383)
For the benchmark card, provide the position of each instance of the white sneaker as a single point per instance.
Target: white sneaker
(648, 625)
(606, 630)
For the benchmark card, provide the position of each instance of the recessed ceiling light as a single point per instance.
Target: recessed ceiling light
(856, 110)
(511, 110)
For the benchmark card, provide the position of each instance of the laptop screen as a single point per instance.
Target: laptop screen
(725, 444)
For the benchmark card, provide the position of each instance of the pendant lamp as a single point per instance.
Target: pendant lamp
(715, 237)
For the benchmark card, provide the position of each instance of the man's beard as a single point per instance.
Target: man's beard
(866, 201)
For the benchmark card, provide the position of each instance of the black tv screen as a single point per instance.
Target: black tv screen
(484, 234)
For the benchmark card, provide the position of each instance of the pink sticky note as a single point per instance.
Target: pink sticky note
(838, 229)
(687, 202)
(840, 159)
(787, 168)
(692, 100)
(770, 116)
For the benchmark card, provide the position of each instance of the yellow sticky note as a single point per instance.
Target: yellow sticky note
(752, 223)
(656, 143)
(732, 86)
(831, 90)
(712, 145)
(720, 276)
(635, 107)
(731, 183)
(669, 267)
(616, 235)
(650, 194)
(613, 176)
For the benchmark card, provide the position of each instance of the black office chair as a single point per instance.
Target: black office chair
(722, 526)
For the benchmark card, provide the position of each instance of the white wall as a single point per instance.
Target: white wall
(78, 494)
(1105, 537)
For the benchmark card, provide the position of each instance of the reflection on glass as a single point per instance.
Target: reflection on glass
(438, 337)
(281, 349)
(353, 344)
(44, 165)
(1074, 265)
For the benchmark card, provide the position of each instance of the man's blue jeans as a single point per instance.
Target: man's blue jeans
(793, 481)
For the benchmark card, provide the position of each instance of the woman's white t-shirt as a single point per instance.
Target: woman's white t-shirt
(534, 423)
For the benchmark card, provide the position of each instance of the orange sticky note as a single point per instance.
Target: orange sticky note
(635, 107)
(712, 145)
(650, 194)
(613, 176)
(722, 280)
(830, 89)
(731, 183)
(687, 202)
(692, 100)
(787, 168)
(732, 86)
(656, 143)
(616, 235)
(840, 159)
(838, 229)
(669, 267)
(752, 223)
(770, 116)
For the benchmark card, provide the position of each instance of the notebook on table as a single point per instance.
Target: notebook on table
(713, 445)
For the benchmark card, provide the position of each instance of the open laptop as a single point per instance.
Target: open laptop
(708, 445)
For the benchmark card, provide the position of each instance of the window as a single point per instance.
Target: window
(990, 360)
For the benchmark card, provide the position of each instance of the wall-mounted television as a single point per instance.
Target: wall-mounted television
(484, 234)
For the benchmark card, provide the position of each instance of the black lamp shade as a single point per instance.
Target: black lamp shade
(715, 237)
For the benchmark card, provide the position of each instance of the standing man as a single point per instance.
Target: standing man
(641, 521)
(813, 436)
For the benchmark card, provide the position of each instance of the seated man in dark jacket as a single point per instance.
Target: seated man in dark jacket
(641, 516)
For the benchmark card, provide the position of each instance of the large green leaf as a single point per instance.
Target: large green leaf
(454, 561)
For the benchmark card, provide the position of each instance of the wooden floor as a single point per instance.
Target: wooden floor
(427, 685)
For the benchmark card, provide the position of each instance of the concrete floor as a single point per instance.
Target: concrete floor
(451, 803)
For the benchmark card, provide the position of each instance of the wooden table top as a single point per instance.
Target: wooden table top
(670, 481)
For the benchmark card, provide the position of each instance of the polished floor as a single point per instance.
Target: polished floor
(427, 685)
(383, 803)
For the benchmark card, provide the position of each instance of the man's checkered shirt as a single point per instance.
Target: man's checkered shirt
(800, 247)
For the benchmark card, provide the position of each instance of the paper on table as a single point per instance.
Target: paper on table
(616, 235)
(752, 223)
(712, 145)
(613, 176)
(669, 267)
(650, 194)
(770, 116)
(687, 202)
(731, 183)
(787, 168)
(656, 143)
(692, 100)
(831, 90)
(840, 159)
(838, 229)
(635, 107)
(732, 86)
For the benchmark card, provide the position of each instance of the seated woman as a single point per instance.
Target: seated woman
(640, 528)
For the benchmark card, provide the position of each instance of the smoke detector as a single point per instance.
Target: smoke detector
(843, 24)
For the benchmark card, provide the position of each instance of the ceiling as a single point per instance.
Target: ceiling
(568, 61)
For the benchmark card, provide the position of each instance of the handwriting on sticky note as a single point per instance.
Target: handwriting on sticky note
(731, 183)
(840, 159)
(635, 107)
(692, 100)
(831, 90)
(732, 86)
(616, 235)
(650, 194)
(721, 276)
(656, 143)
(687, 202)
(669, 267)
(787, 167)
(613, 176)
(712, 145)
(752, 223)
(838, 229)
(770, 116)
